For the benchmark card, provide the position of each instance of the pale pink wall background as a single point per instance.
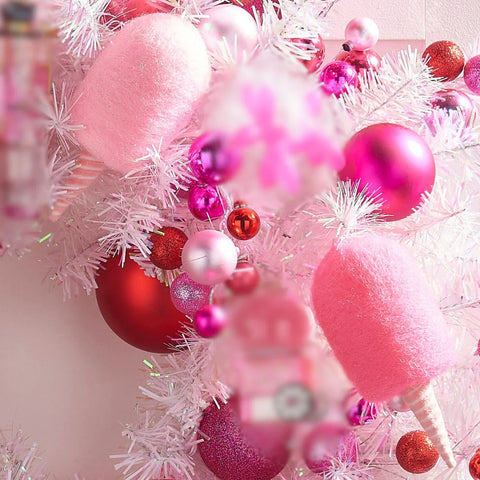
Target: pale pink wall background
(64, 377)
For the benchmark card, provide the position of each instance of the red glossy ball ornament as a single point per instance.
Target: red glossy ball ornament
(445, 58)
(243, 223)
(124, 10)
(415, 452)
(394, 164)
(316, 50)
(474, 466)
(363, 62)
(167, 245)
(244, 279)
(235, 450)
(136, 307)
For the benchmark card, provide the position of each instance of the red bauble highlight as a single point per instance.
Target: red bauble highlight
(445, 58)
(138, 308)
(167, 245)
(415, 452)
(243, 223)
(474, 466)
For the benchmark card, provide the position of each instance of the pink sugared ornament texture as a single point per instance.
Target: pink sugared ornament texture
(394, 163)
(380, 317)
(141, 90)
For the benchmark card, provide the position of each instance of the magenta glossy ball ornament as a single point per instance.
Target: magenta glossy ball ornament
(361, 33)
(327, 442)
(363, 62)
(210, 159)
(394, 164)
(471, 74)
(336, 77)
(361, 413)
(209, 321)
(316, 50)
(234, 450)
(187, 295)
(205, 202)
(209, 257)
(451, 103)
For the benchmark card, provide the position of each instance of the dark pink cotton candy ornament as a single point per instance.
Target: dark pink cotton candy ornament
(385, 327)
(140, 92)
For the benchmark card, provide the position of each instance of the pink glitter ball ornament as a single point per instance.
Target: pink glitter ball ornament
(187, 295)
(395, 165)
(336, 77)
(471, 74)
(234, 450)
(326, 442)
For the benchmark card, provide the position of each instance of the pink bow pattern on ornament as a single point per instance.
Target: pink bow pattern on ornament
(279, 165)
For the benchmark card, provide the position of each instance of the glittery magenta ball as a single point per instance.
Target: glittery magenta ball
(167, 245)
(336, 77)
(367, 60)
(415, 452)
(474, 466)
(234, 450)
(394, 164)
(471, 75)
(244, 279)
(329, 441)
(445, 59)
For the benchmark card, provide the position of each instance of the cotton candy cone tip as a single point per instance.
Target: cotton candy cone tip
(141, 90)
(86, 170)
(380, 317)
(424, 405)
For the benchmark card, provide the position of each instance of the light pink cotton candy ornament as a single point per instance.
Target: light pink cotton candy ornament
(385, 327)
(140, 92)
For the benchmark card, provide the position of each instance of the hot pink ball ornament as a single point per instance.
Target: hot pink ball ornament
(231, 25)
(205, 202)
(187, 295)
(471, 74)
(209, 321)
(384, 326)
(234, 450)
(327, 442)
(316, 50)
(361, 34)
(209, 257)
(336, 77)
(141, 91)
(363, 62)
(393, 163)
(210, 159)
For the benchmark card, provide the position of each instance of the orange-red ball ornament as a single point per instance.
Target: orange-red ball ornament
(167, 245)
(243, 223)
(474, 466)
(445, 58)
(415, 452)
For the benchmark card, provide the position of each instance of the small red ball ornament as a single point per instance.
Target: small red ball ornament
(244, 279)
(415, 452)
(474, 466)
(125, 10)
(243, 223)
(167, 245)
(445, 58)
(138, 308)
